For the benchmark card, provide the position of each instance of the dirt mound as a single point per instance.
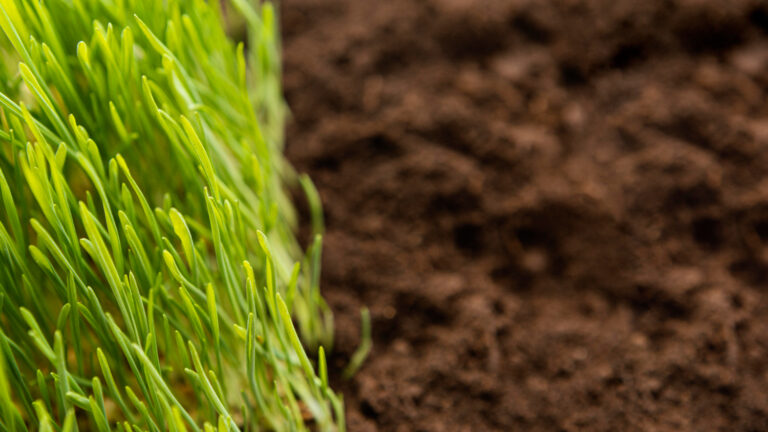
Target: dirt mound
(557, 211)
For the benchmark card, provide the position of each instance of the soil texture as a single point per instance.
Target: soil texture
(556, 211)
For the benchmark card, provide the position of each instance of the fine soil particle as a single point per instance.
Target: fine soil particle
(557, 212)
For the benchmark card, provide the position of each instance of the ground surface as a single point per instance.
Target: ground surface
(556, 211)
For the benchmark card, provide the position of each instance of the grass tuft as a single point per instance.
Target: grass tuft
(149, 275)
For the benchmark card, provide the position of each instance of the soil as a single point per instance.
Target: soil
(557, 212)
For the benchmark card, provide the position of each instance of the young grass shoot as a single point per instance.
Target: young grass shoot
(150, 279)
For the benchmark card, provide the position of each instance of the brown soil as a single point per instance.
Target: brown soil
(556, 211)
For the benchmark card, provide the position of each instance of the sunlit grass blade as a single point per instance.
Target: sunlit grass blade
(150, 279)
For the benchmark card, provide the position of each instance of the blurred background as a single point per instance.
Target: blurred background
(556, 211)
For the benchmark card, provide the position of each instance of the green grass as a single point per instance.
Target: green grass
(149, 275)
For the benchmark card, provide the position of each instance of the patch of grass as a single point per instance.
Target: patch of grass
(149, 276)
